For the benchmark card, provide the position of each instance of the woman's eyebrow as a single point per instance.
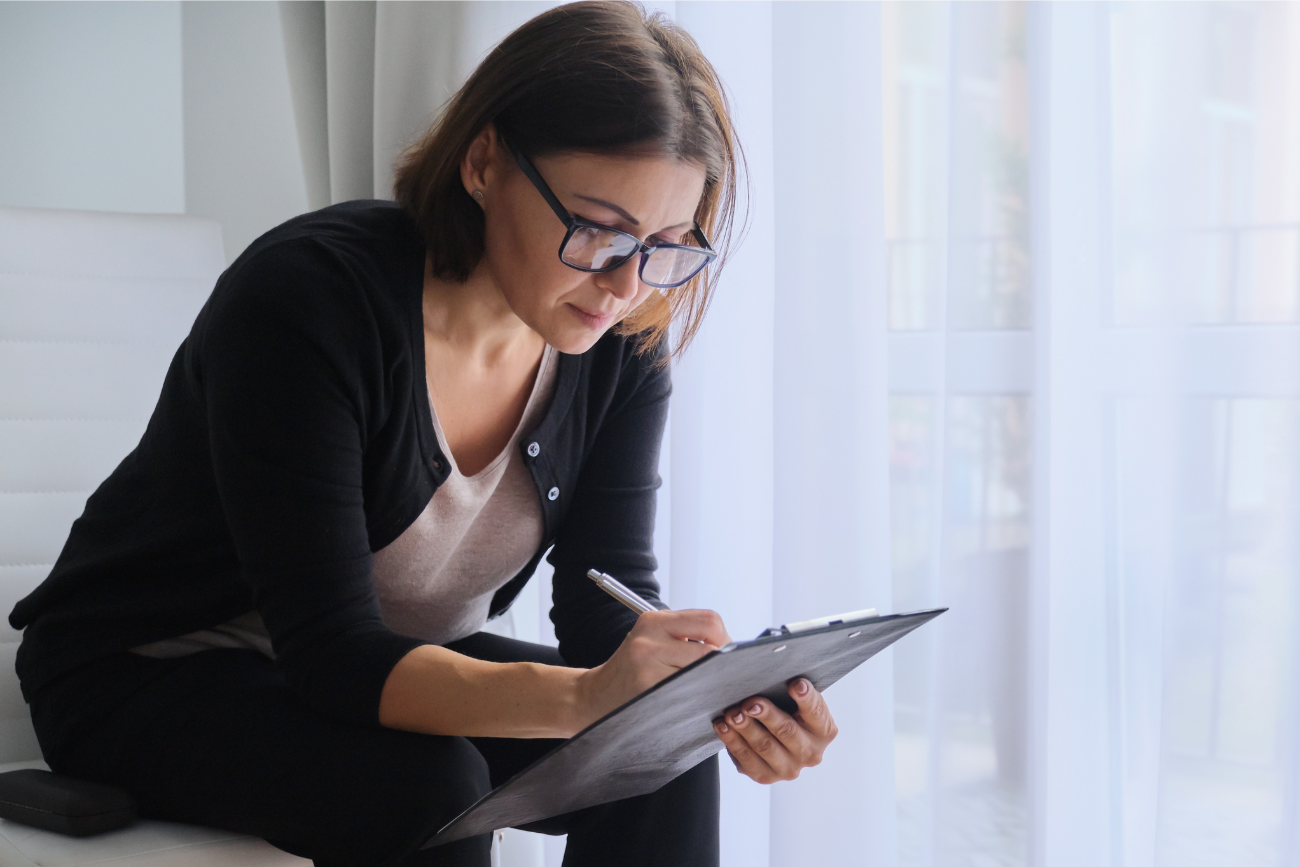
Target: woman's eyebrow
(613, 207)
(624, 214)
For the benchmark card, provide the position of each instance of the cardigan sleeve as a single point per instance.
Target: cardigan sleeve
(289, 364)
(610, 524)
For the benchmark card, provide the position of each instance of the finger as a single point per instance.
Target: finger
(804, 747)
(725, 734)
(761, 741)
(678, 654)
(814, 713)
(748, 762)
(650, 644)
(693, 624)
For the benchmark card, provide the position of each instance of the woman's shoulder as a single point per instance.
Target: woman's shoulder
(370, 233)
(344, 279)
(347, 257)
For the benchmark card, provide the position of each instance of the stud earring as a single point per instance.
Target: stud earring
(478, 196)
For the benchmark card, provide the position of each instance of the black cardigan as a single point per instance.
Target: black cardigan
(293, 438)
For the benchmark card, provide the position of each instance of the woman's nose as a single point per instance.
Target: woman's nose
(624, 281)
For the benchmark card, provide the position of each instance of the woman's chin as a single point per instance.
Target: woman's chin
(574, 342)
(573, 335)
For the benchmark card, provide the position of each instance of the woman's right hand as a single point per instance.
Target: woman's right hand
(656, 647)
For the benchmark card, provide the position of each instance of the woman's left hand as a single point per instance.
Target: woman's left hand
(767, 744)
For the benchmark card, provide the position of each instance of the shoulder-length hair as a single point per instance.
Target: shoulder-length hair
(602, 76)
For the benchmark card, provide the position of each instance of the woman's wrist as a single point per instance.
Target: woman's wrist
(559, 691)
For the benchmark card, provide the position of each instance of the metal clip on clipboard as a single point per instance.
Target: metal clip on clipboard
(817, 623)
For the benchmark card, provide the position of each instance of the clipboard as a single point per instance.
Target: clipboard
(668, 729)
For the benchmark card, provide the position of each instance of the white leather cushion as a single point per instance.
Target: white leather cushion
(92, 308)
(17, 738)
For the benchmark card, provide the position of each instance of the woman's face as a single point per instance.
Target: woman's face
(653, 198)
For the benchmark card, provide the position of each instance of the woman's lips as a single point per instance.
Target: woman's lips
(593, 320)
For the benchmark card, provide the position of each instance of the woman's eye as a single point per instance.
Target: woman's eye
(600, 224)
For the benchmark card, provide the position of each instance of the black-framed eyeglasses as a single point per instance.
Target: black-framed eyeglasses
(594, 248)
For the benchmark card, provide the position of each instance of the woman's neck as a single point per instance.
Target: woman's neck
(473, 320)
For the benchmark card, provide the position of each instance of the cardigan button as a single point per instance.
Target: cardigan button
(534, 450)
(553, 494)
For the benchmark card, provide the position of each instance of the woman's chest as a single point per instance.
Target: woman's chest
(479, 406)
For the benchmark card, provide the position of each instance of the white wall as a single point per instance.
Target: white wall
(90, 106)
(155, 107)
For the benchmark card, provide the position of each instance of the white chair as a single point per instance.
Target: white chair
(92, 307)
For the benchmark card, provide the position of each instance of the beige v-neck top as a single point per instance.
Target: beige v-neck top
(435, 582)
(437, 579)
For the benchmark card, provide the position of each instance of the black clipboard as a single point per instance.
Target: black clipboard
(668, 729)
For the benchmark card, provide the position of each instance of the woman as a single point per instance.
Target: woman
(267, 617)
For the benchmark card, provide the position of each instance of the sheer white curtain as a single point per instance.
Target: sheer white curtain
(779, 475)
(1094, 228)
(1013, 330)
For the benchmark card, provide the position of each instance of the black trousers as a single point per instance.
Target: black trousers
(218, 739)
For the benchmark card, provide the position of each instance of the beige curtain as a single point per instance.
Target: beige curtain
(367, 78)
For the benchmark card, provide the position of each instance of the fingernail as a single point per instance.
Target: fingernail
(801, 686)
(722, 728)
(755, 709)
(738, 718)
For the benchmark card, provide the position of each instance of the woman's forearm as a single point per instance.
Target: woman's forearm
(437, 691)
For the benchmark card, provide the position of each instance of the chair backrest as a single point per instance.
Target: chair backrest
(92, 308)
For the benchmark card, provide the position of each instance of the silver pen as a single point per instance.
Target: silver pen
(630, 598)
(615, 588)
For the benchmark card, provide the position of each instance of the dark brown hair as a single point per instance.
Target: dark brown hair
(602, 76)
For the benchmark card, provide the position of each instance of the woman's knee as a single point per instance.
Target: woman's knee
(438, 775)
(406, 788)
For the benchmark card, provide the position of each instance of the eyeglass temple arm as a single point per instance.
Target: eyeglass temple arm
(703, 241)
(526, 165)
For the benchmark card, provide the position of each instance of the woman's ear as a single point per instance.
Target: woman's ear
(479, 170)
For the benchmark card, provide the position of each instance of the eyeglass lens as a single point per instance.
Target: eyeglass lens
(596, 249)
